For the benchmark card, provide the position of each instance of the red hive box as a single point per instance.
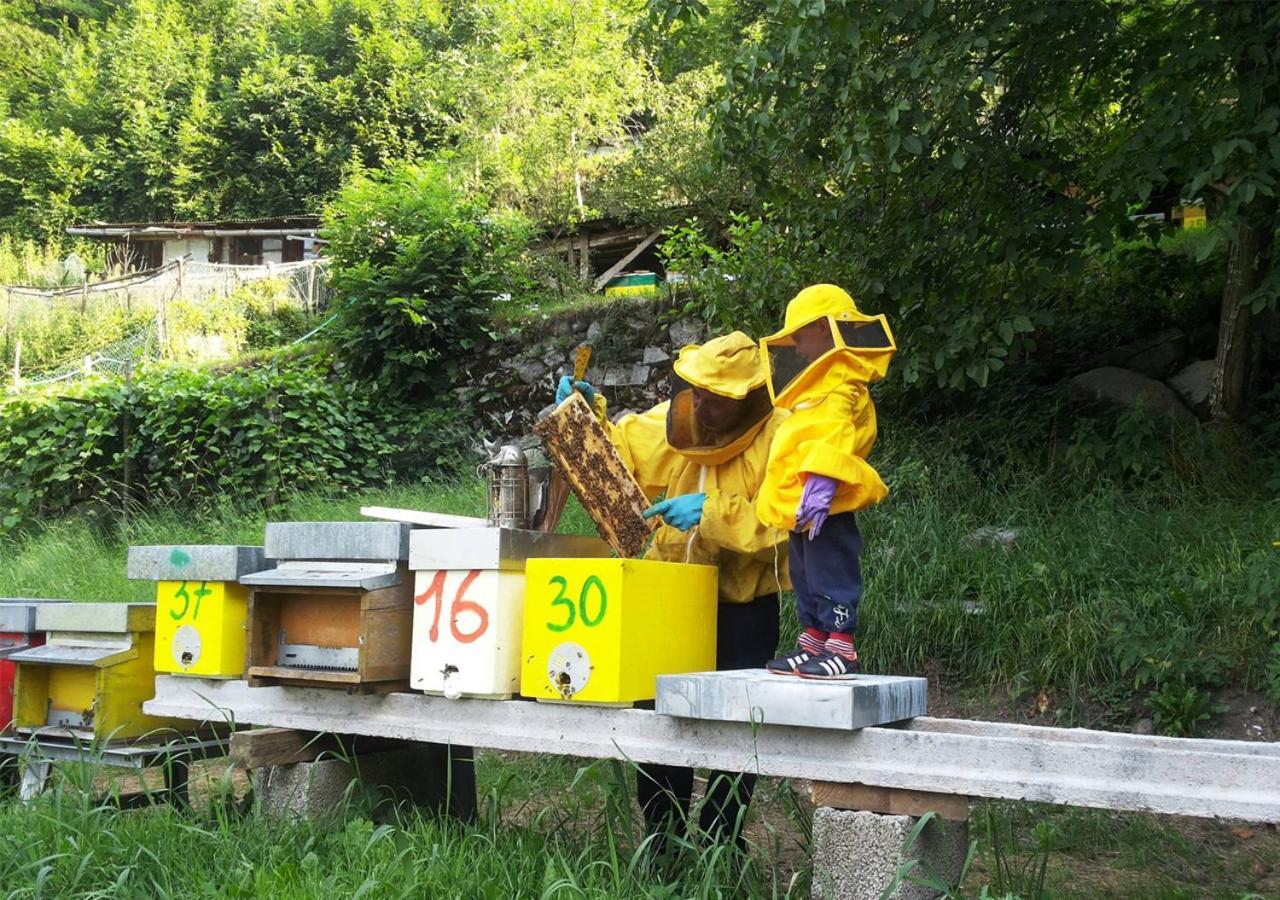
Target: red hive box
(17, 632)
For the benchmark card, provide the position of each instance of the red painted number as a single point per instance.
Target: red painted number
(460, 605)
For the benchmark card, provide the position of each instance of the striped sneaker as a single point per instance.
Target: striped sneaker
(788, 663)
(829, 667)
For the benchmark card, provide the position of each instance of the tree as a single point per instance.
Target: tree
(962, 161)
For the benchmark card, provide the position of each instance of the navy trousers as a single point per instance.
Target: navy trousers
(746, 638)
(827, 575)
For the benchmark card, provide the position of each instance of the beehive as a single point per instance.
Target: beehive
(17, 632)
(469, 605)
(576, 442)
(603, 630)
(337, 610)
(201, 609)
(91, 677)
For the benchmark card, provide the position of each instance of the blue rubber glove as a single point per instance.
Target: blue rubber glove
(815, 503)
(683, 512)
(567, 385)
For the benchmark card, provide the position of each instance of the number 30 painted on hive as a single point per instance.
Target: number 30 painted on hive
(435, 591)
(571, 611)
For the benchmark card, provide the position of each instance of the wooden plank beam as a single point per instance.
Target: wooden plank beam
(625, 261)
(890, 801)
(578, 445)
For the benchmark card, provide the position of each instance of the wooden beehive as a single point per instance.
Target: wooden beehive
(337, 610)
(580, 448)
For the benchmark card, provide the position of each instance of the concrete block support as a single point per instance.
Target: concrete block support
(428, 776)
(856, 855)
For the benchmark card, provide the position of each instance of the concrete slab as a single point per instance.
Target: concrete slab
(19, 616)
(754, 695)
(857, 856)
(194, 562)
(105, 618)
(338, 540)
(495, 548)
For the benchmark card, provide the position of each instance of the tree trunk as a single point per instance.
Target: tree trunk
(1239, 342)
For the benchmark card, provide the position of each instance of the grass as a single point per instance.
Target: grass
(1118, 584)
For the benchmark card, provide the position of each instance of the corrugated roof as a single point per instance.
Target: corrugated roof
(298, 221)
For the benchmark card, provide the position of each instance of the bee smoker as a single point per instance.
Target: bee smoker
(508, 474)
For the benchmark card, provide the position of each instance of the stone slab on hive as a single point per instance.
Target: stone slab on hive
(107, 618)
(338, 540)
(495, 548)
(18, 615)
(200, 562)
(577, 443)
(756, 695)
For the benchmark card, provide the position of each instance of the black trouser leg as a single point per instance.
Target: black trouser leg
(664, 793)
(724, 811)
(747, 637)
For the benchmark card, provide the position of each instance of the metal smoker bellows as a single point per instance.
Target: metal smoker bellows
(508, 471)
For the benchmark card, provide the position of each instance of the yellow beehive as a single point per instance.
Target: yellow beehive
(200, 628)
(201, 609)
(603, 630)
(90, 679)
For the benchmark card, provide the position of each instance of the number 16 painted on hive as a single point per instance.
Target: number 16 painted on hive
(435, 591)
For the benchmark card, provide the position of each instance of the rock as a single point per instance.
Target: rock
(990, 536)
(619, 376)
(1144, 726)
(655, 355)
(530, 371)
(1193, 385)
(594, 330)
(1123, 387)
(578, 327)
(1160, 354)
(685, 331)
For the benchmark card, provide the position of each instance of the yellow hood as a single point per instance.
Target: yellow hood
(855, 346)
(728, 366)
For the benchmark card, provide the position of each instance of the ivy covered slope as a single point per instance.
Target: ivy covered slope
(181, 434)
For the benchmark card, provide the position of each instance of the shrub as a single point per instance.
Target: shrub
(248, 435)
(416, 269)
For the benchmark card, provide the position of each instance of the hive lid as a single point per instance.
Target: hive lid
(496, 548)
(304, 573)
(194, 562)
(98, 618)
(337, 540)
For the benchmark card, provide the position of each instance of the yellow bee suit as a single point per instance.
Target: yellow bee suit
(832, 426)
(751, 557)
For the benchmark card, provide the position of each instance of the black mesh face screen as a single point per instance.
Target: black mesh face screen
(791, 354)
(870, 335)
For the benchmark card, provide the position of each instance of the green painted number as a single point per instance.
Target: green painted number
(572, 613)
(182, 594)
(593, 581)
(562, 600)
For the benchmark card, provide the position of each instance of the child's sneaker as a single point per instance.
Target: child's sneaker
(788, 663)
(828, 666)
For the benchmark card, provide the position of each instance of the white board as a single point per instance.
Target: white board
(422, 517)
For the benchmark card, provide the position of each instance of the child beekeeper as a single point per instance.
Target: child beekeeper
(819, 366)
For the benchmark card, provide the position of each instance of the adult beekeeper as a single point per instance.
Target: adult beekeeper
(705, 451)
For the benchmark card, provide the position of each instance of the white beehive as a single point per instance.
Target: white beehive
(468, 605)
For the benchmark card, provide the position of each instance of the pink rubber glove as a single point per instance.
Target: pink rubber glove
(815, 503)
